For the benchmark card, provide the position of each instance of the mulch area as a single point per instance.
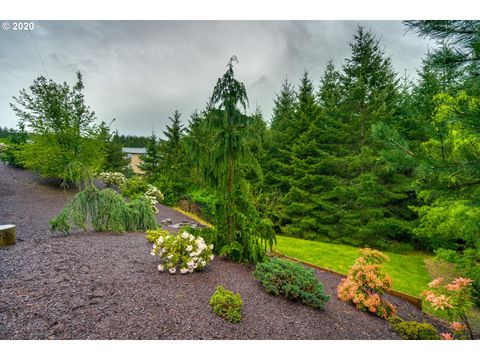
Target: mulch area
(107, 286)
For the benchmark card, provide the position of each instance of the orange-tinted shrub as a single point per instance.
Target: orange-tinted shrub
(365, 284)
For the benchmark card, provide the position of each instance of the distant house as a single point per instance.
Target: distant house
(134, 155)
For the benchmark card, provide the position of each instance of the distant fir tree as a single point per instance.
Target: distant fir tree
(131, 140)
(370, 89)
(305, 156)
(339, 191)
(115, 159)
(371, 200)
(308, 212)
(171, 146)
(174, 165)
(276, 169)
(150, 161)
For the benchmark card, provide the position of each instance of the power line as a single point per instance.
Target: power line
(38, 52)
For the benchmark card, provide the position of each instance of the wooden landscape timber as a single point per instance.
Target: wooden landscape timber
(8, 235)
(411, 299)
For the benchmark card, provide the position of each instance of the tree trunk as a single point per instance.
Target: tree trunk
(8, 235)
(229, 205)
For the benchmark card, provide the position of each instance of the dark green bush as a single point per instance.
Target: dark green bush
(171, 190)
(233, 251)
(206, 200)
(226, 304)
(412, 330)
(134, 187)
(282, 277)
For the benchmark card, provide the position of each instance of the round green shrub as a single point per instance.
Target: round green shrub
(294, 281)
(412, 330)
(226, 304)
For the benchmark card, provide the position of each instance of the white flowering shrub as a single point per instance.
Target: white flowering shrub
(182, 252)
(154, 196)
(113, 178)
(3, 147)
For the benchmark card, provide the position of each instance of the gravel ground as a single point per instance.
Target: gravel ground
(105, 286)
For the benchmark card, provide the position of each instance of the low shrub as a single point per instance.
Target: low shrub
(294, 281)
(182, 251)
(153, 235)
(226, 304)
(134, 187)
(113, 178)
(365, 284)
(106, 210)
(137, 187)
(233, 251)
(412, 330)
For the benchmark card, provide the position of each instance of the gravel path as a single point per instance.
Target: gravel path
(104, 286)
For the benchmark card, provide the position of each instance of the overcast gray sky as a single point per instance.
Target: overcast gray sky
(139, 72)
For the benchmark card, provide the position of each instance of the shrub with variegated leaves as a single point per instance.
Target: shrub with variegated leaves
(153, 235)
(113, 178)
(182, 251)
(365, 284)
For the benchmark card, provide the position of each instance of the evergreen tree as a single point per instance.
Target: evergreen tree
(371, 200)
(459, 40)
(173, 152)
(276, 170)
(130, 140)
(305, 155)
(241, 232)
(174, 177)
(339, 191)
(150, 161)
(115, 159)
(445, 161)
(370, 89)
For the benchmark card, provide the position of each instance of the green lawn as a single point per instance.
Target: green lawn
(408, 271)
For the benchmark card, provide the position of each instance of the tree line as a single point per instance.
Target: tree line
(364, 157)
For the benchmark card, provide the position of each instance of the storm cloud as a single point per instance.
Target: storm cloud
(139, 72)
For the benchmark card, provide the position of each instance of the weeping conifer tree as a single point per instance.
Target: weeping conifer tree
(242, 235)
